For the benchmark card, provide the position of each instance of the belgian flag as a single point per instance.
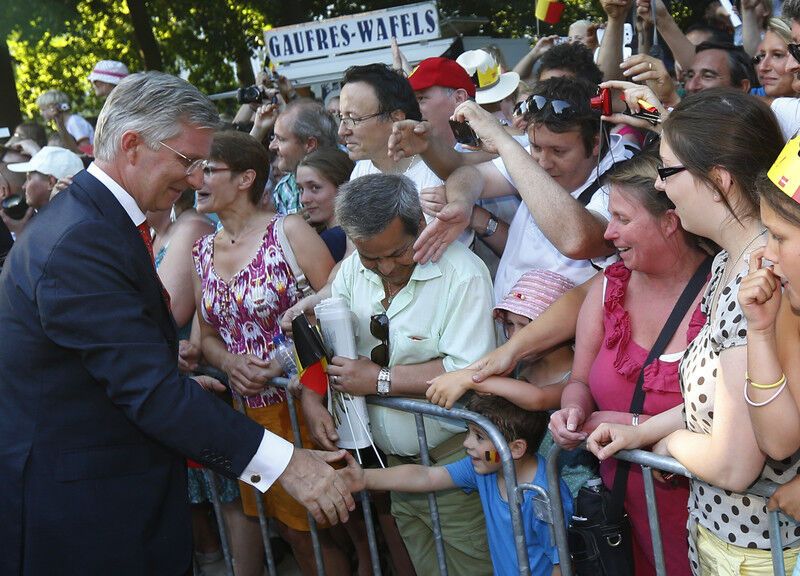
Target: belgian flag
(310, 355)
(549, 10)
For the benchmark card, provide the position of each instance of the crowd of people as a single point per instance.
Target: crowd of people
(586, 248)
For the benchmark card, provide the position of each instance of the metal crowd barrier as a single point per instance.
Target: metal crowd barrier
(649, 461)
(419, 409)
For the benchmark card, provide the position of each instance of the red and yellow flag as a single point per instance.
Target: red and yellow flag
(549, 11)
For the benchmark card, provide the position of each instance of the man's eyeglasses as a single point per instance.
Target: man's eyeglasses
(758, 58)
(351, 122)
(537, 103)
(191, 164)
(379, 328)
(794, 50)
(665, 172)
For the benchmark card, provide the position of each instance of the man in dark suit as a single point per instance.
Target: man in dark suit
(94, 417)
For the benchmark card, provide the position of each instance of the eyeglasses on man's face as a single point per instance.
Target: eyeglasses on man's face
(192, 165)
(351, 122)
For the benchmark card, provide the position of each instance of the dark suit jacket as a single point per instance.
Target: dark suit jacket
(94, 416)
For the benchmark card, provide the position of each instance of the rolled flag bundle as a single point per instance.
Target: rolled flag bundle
(310, 355)
(349, 412)
(549, 11)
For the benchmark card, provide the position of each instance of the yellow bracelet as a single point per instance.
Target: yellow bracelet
(781, 381)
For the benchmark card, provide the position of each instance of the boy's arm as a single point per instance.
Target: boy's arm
(404, 478)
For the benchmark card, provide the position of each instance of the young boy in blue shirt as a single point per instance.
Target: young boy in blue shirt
(482, 470)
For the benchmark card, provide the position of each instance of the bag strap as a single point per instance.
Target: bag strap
(586, 196)
(679, 311)
(302, 282)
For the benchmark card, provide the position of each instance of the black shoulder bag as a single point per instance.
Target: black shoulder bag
(599, 532)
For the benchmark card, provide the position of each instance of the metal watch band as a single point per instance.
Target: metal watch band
(384, 384)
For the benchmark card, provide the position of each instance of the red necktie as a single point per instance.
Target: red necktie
(144, 232)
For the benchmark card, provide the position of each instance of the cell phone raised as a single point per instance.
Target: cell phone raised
(464, 134)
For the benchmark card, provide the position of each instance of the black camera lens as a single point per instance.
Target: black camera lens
(250, 95)
(15, 206)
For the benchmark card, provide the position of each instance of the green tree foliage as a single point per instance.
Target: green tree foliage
(55, 43)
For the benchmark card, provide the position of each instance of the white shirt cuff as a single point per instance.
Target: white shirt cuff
(269, 462)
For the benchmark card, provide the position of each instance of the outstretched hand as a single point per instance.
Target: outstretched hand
(449, 223)
(311, 480)
(608, 439)
(498, 362)
(408, 137)
(353, 474)
(446, 389)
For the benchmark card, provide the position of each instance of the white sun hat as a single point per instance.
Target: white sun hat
(492, 86)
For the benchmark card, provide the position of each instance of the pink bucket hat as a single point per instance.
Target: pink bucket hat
(533, 293)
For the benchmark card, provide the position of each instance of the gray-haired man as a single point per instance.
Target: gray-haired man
(433, 318)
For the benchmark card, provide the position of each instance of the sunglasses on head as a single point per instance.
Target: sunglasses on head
(537, 103)
(379, 328)
(794, 50)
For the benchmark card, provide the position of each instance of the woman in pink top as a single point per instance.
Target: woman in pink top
(618, 325)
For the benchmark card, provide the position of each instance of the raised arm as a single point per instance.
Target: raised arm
(678, 43)
(610, 55)
(776, 424)
(575, 231)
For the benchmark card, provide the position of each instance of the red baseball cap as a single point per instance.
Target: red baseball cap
(442, 72)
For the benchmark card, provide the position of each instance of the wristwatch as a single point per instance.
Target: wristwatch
(384, 384)
(491, 227)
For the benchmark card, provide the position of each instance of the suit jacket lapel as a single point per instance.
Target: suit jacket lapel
(108, 206)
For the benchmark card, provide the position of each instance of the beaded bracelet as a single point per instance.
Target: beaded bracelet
(768, 400)
(781, 381)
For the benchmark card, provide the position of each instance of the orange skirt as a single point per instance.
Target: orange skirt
(277, 502)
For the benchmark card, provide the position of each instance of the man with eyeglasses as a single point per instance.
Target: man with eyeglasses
(302, 127)
(95, 420)
(373, 97)
(414, 322)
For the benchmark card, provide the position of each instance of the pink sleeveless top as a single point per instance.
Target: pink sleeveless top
(246, 309)
(612, 380)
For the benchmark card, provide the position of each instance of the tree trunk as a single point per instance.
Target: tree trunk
(9, 102)
(143, 30)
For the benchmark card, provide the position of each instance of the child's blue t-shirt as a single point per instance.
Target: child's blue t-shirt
(542, 551)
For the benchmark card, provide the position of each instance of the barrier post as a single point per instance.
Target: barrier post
(559, 522)
(425, 459)
(653, 521)
(262, 517)
(211, 478)
(298, 442)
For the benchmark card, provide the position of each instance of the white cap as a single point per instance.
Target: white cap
(53, 161)
(109, 71)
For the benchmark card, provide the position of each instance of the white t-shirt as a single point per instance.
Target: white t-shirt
(79, 128)
(528, 248)
(419, 174)
(787, 111)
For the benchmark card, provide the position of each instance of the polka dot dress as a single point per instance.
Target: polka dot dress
(736, 519)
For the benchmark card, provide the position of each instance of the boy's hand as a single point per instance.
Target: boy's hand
(353, 474)
(446, 389)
